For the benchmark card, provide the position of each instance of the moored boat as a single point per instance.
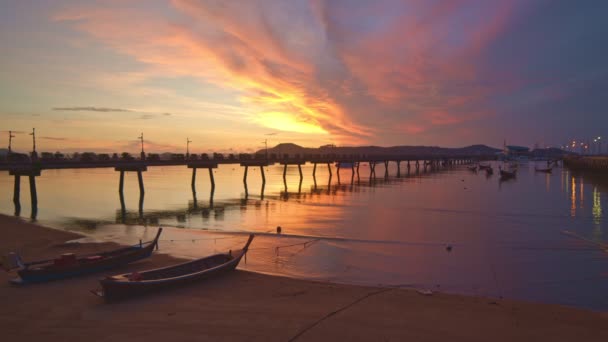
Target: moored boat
(547, 170)
(472, 168)
(508, 174)
(70, 265)
(136, 283)
(489, 171)
(484, 167)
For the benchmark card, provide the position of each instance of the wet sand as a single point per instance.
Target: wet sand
(244, 306)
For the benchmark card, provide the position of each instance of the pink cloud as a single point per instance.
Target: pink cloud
(346, 69)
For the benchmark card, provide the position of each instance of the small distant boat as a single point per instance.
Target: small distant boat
(472, 168)
(70, 265)
(485, 167)
(547, 170)
(508, 174)
(136, 283)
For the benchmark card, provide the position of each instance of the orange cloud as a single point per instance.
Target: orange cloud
(310, 67)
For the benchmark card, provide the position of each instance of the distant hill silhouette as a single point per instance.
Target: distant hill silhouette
(293, 149)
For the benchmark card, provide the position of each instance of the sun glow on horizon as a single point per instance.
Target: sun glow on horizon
(288, 123)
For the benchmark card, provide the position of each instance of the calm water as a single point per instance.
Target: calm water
(508, 238)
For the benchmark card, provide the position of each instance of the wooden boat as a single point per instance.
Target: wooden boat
(130, 284)
(70, 265)
(547, 170)
(508, 174)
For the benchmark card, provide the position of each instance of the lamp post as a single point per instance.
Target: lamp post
(34, 153)
(142, 154)
(10, 141)
(188, 141)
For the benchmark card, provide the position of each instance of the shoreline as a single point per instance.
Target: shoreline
(251, 306)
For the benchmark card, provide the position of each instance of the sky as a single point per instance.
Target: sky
(230, 75)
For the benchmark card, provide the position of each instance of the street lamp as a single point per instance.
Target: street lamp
(188, 141)
(34, 154)
(10, 141)
(142, 154)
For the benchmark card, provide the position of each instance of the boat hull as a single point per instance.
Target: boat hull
(29, 276)
(135, 284)
(43, 271)
(113, 291)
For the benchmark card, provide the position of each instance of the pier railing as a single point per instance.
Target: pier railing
(244, 160)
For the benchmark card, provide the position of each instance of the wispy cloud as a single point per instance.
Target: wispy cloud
(145, 115)
(91, 109)
(54, 138)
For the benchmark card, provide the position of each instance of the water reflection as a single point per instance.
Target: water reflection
(597, 215)
(573, 197)
(367, 232)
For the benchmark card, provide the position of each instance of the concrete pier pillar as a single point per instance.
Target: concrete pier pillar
(121, 183)
(33, 193)
(285, 177)
(329, 169)
(358, 178)
(262, 191)
(193, 183)
(352, 177)
(314, 174)
(398, 168)
(338, 172)
(300, 170)
(17, 190)
(140, 180)
(386, 169)
(263, 178)
(141, 205)
(212, 181)
(372, 170)
(245, 182)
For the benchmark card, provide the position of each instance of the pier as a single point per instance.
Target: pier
(590, 163)
(33, 168)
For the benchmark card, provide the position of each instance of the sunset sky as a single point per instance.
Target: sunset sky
(93, 75)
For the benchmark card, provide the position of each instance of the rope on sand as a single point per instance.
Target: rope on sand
(370, 294)
(276, 248)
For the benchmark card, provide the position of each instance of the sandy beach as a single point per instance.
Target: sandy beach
(245, 306)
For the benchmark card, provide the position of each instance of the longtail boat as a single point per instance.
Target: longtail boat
(136, 283)
(508, 174)
(547, 170)
(70, 265)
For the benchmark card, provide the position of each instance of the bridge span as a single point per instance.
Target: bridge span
(33, 169)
